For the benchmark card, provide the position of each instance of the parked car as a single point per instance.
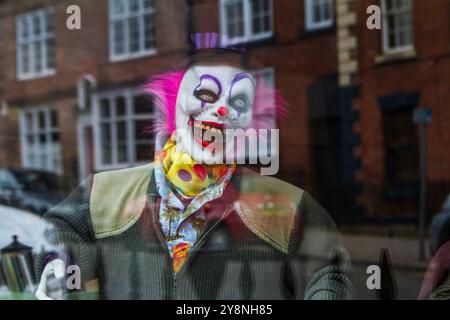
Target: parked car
(31, 190)
(29, 228)
(440, 227)
(30, 231)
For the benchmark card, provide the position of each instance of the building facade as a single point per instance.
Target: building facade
(384, 75)
(71, 100)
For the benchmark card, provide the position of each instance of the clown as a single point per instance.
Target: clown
(192, 225)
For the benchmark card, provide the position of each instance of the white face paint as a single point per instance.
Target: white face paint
(210, 100)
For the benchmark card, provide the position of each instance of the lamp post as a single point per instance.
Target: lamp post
(422, 118)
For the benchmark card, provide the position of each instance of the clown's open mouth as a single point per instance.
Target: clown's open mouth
(205, 131)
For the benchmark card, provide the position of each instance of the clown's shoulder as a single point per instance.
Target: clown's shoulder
(268, 206)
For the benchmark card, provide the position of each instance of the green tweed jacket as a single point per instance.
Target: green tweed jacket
(265, 239)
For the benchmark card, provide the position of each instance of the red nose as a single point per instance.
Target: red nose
(222, 111)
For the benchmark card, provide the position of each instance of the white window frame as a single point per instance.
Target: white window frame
(113, 57)
(45, 71)
(36, 148)
(309, 12)
(249, 35)
(385, 33)
(130, 119)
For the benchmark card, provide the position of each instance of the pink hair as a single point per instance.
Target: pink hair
(164, 91)
(268, 107)
(163, 88)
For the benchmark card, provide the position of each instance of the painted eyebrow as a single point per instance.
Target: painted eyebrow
(210, 77)
(239, 77)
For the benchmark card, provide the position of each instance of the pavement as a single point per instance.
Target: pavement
(403, 252)
(407, 268)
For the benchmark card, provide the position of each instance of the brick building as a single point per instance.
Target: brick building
(71, 102)
(384, 76)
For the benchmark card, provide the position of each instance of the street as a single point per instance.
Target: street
(408, 270)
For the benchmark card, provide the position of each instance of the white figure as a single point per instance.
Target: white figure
(50, 287)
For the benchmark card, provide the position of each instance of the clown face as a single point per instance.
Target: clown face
(211, 100)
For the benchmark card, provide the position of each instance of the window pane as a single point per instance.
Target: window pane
(44, 162)
(38, 56)
(141, 130)
(266, 23)
(105, 140)
(119, 37)
(31, 160)
(55, 137)
(50, 53)
(30, 140)
(134, 5)
(121, 131)
(240, 29)
(120, 107)
(49, 26)
(389, 4)
(149, 31)
(43, 138)
(118, 7)
(142, 105)
(41, 120)
(235, 19)
(327, 10)
(134, 34)
(148, 4)
(144, 152)
(25, 58)
(105, 111)
(122, 153)
(29, 122)
(24, 28)
(36, 25)
(257, 25)
(54, 119)
(122, 142)
(317, 17)
(256, 7)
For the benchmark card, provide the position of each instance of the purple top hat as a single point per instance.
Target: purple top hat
(212, 40)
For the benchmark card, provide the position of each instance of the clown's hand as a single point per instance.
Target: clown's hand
(52, 284)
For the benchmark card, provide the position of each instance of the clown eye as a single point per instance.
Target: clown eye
(240, 103)
(206, 96)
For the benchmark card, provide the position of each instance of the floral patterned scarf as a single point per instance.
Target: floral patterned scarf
(185, 188)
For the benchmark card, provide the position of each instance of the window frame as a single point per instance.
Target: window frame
(309, 14)
(42, 38)
(130, 119)
(114, 57)
(249, 35)
(385, 32)
(35, 131)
